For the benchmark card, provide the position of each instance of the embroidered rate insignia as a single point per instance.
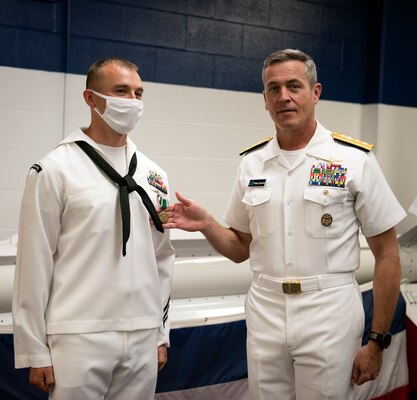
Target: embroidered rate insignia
(255, 146)
(352, 141)
(325, 174)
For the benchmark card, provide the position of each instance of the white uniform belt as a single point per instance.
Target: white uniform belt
(296, 286)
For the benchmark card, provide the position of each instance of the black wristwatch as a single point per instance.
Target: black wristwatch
(383, 339)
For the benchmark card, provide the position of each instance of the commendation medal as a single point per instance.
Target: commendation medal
(163, 202)
(163, 216)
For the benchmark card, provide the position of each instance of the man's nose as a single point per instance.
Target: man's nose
(284, 95)
(131, 94)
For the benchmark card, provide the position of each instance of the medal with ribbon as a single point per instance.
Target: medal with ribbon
(163, 202)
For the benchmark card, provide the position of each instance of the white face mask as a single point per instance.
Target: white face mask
(121, 114)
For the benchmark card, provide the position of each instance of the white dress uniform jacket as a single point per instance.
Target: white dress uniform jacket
(70, 275)
(284, 214)
(304, 210)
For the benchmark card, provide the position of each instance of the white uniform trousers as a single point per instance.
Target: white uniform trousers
(105, 365)
(302, 346)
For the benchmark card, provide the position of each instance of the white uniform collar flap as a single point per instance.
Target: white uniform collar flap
(271, 150)
(317, 146)
(80, 135)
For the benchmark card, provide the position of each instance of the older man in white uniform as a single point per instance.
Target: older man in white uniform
(297, 204)
(93, 275)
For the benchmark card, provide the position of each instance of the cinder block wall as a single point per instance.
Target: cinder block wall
(200, 62)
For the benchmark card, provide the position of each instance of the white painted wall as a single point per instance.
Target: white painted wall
(195, 134)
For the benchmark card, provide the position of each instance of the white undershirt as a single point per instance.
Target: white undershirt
(291, 156)
(118, 157)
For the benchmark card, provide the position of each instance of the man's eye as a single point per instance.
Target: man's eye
(272, 89)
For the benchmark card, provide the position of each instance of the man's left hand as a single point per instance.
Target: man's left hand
(367, 364)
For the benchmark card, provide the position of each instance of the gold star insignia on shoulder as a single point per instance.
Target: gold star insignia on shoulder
(256, 146)
(360, 144)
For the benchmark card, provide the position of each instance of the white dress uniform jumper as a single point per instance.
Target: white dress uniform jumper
(87, 292)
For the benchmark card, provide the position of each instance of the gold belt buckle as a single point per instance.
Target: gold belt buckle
(291, 287)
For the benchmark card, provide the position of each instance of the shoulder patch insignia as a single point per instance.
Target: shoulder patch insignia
(352, 141)
(256, 146)
(36, 167)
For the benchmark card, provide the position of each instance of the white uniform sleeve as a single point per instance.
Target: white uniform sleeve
(165, 256)
(236, 214)
(39, 228)
(376, 205)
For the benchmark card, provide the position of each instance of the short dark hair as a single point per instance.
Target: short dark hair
(281, 56)
(93, 74)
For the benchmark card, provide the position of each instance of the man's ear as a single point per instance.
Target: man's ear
(266, 107)
(317, 92)
(89, 98)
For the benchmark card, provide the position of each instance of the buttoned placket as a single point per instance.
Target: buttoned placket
(289, 212)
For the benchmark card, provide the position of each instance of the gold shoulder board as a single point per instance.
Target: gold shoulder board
(256, 146)
(352, 141)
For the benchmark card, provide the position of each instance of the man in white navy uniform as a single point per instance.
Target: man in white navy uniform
(93, 273)
(296, 207)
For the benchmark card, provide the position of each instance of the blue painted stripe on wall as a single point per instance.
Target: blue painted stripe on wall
(220, 43)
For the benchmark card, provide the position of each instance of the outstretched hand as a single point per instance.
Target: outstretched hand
(187, 215)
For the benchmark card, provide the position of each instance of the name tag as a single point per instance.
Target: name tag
(257, 182)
